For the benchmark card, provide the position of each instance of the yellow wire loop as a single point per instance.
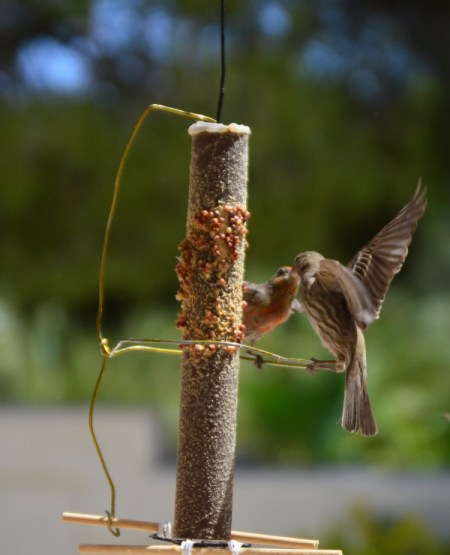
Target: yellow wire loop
(111, 513)
(101, 280)
(103, 341)
(109, 524)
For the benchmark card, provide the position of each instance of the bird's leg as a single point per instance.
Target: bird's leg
(314, 365)
(258, 359)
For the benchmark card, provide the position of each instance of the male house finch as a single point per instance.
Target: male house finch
(341, 302)
(269, 304)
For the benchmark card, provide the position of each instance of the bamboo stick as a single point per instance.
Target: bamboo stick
(244, 537)
(98, 520)
(106, 549)
(274, 541)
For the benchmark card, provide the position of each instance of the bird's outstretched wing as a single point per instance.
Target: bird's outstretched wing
(377, 263)
(337, 278)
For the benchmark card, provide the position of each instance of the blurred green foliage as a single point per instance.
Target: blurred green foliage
(328, 169)
(364, 533)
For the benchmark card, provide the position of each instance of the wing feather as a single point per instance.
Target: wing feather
(383, 257)
(252, 292)
(336, 277)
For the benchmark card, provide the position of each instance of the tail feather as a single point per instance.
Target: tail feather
(357, 416)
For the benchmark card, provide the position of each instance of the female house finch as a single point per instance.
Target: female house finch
(269, 304)
(341, 302)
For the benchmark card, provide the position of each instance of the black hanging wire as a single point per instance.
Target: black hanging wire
(222, 61)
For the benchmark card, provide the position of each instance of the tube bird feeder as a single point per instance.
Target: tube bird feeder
(210, 270)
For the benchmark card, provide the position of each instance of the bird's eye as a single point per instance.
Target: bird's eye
(282, 272)
(303, 267)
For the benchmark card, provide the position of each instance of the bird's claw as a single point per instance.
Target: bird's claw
(312, 366)
(259, 361)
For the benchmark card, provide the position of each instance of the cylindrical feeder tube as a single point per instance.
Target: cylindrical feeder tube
(210, 271)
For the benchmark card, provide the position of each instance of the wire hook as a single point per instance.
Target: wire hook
(109, 524)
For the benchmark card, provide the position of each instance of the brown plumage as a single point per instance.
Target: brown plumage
(341, 302)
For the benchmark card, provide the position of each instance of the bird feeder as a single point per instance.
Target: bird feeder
(210, 271)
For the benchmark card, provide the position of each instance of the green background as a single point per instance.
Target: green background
(338, 144)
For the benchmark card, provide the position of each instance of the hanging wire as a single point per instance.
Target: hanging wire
(111, 513)
(101, 279)
(103, 341)
(222, 62)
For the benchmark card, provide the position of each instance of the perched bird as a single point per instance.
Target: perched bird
(340, 302)
(269, 304)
